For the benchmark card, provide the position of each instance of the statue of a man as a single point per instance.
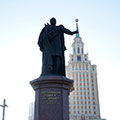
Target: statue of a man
(51, 43)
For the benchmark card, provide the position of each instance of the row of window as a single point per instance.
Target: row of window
(80, 67)
(86, 112)
(79, 73)
(85, 101)
(78, 50)
(82, 73)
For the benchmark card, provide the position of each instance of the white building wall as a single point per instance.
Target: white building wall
(84, 101)
(31, 111)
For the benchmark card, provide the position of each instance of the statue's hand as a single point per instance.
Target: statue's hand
(75, 32)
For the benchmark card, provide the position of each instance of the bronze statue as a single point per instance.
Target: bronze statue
(51, 43)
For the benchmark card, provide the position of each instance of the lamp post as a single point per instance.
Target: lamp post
(4, 105)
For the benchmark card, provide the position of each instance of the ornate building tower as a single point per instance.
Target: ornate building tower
(84, 102)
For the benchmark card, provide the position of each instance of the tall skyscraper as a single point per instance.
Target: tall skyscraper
(84, 101)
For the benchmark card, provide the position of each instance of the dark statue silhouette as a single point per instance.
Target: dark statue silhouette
(51, 43)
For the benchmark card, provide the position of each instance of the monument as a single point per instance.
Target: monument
(52, 87)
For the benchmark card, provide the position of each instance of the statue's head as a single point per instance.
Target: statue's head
(53, 21)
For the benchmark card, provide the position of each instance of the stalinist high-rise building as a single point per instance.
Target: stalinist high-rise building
(84, 100)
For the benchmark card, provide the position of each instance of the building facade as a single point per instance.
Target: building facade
(31, 111)
(84, 101)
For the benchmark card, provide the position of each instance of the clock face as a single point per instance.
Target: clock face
(78, 58)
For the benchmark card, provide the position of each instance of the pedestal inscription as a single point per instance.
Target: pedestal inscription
(51, 97)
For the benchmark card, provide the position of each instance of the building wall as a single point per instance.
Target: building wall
(31, 111)
(84, 101)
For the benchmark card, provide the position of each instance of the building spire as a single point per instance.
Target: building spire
(77, 34)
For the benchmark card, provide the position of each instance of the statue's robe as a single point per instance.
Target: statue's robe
(51, 43)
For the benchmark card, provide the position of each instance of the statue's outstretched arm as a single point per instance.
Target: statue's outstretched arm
(67, 31)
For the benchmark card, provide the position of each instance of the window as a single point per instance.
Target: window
(76, 72)
(72, 67)
(74, 50)
(93, 103)
(78, 58)
(82, 50)
(76, 67)
(91, 75)
(83, 67)
(95, 113)
(79, 67)
(78, 50)
(85, 59)
(72, 58)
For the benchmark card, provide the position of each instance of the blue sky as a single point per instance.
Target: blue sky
(20, 59)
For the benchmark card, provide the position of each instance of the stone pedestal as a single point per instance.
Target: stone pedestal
(51, 97)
